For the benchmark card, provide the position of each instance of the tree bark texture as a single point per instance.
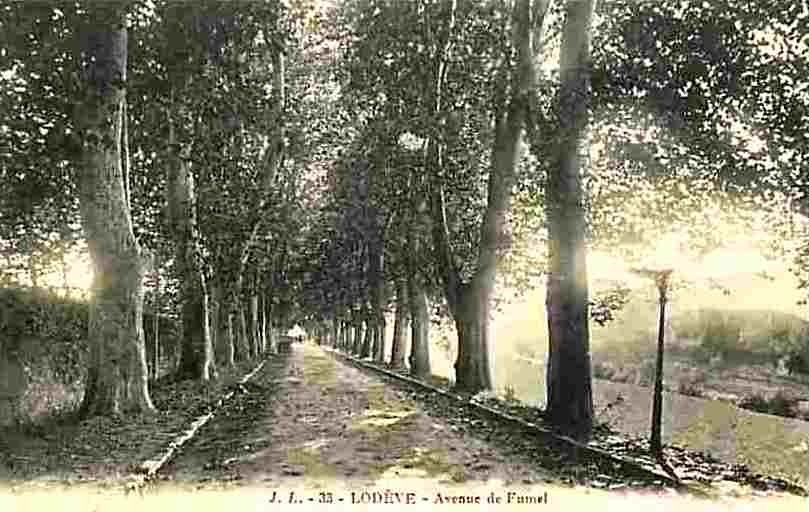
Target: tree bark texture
(400, 326)
(196, 354)
(117, 378)
(568, 377)
(255, 332)
(469, 302)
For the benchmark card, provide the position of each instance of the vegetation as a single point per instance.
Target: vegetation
(245, 167)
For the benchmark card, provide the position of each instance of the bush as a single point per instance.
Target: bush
(779, 405)
(692, 384)
(689, 388)
(43, 353)
(798, 362)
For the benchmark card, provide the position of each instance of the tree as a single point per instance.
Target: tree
(568, 374)
(197, 353)
(470, 301)
(402, 321)
(117, 378)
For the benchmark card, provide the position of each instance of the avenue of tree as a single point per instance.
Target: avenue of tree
(337, 165)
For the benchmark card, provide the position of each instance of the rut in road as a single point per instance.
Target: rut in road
(307, 416)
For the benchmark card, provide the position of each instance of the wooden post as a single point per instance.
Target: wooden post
(661, 278)
(655, 442)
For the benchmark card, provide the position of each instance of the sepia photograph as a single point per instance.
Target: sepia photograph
(350, 255)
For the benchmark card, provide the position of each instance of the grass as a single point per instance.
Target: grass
(779, 405)
(62, 446)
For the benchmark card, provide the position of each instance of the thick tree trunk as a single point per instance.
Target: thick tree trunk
(376, 267)
(570, 401)
(196, 355)
(469, 302)
(400, 326)
(419, 309)
(379, 355)
(196, 350)
(117, 376)
(420, 328)
(238, 333)
(474, 364)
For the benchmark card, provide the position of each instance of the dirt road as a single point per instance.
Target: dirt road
(307, 416)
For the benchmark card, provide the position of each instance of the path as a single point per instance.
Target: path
(310, 417)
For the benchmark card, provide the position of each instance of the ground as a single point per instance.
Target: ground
(326, 420)
(307, 430)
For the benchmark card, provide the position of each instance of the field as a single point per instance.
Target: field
(710, 422)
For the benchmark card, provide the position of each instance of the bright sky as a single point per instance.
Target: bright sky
(80, 270)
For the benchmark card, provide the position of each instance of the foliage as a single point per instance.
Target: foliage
(607, 301)
(779, 404)
(54, 328)
(682, 120)
(690, 387)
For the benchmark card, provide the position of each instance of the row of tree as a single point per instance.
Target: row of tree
(168, 127)
(473, 132)
(298, 162)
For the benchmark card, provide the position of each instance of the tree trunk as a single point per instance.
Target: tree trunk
(420, 328)
(469, 302)
(255, 333)
(335, 331)
(272, 158)
(474, 364)
(156, 322)
(156, 355)
(238, 335)
(379, 355)
(230, 352)
(346, 341)
(376, 282)
(365, 351)
(243, 347)
(272, 338)
(196, 356)
(117, 376)
(216, 319)
(357, 325)
(263, 326)
(570, 401)
(400, 325)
